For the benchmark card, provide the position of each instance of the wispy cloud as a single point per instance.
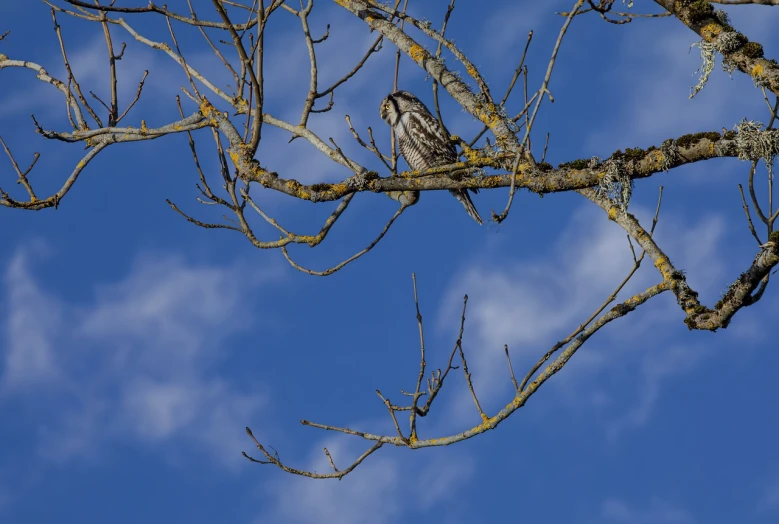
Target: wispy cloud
(88, 60)
(656, 368)
(528, 303)
(31, 326)
(769, 498)
(657, 512)
(531, 303)
(369, 495)
(657, 79)
(383, 489)
(142, 347)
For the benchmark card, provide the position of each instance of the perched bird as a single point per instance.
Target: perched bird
(423, 142)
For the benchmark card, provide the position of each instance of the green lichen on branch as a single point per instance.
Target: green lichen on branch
(695, 10)
(580, 163)
(631, 153)
(752, 50)
(692, 139)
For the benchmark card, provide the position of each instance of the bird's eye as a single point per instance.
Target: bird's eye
(387, 106)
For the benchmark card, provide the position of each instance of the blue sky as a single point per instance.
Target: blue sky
(135, 347)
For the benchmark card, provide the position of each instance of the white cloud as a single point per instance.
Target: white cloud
(439, 479)
(508, 26)
(31, 324)
(369, 494)
(657, 79)
(143, 346)
(5, 497)
(286, 95)
(769, 500)
(381, 490)
(533, 302)
(89, 64)
(658, 512)
(530, 303)
(655, 368)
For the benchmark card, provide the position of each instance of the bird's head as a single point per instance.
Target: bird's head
(397, 103)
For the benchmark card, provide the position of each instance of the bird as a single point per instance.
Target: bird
(423, 141)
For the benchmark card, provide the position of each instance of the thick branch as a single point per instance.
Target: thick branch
(540, 179)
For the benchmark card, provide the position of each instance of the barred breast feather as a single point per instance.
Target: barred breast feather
(422, 142)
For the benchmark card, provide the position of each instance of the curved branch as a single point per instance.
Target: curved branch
(700, 317)
(276, 461)
(44, 76)
(352, 258)
(54, 200)
(520, 398)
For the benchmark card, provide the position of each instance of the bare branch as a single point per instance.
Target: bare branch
(352, 258)
(487, 423)
(152, 8)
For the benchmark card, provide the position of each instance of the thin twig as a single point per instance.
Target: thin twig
(609, 300)
(422, 363)
(511, 368)
(351, 258)
(449, 10)
(749, 216)
(465, 368)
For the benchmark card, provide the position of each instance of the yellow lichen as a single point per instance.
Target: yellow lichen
(487, 424)
(662, 265)
(241, 105)
(472, 71)
(471, 155)
(298, 190)
(711, 31)
(144, 129)
(612, 213)
(339, 188)
(417, 53)
(757, 70)
(488, 114)
(206, 108)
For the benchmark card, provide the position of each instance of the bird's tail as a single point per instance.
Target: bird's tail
(464, 198)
